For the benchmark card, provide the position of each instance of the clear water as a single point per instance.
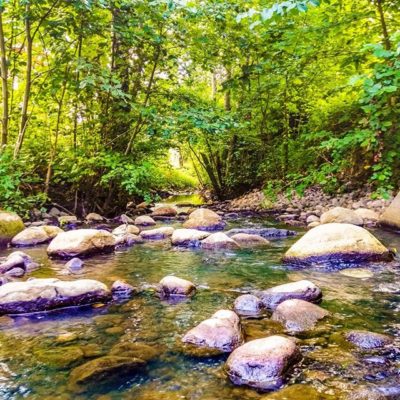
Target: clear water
(36, 352)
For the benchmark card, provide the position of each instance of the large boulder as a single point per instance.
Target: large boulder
(164, 211)
(298, 315)
(335, 244)
(219, 241)
(48, 294)
(145, 220)
(221, 332)
(36, 235)
(303, 290)
(248, 240)
(341, 215)
(391, 216)
(188, 237)
(204, 219)
(368, 340)
(263, 363)
(10, 225)
(81, 242)
(172, 286)
(158, 233)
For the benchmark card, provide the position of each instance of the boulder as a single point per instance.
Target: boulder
(219, 241)
(342, 216)
(389, 218)
(81, 242)
(298, 315)
(171, 286)
(263, 363)
(367, 215)
(335, 244)
(10, 225)
(94, 217)
(221, 332)
(368, 340)
(264, 232)
(164, 211)
(303, 290)
(247, 240)
(48, 294)
(17, 263)
(145, 220)
(158, 233)
(35, 235)
(204, 219)
(122, 290)
(188, 237)
(124, 229)
(248, 304)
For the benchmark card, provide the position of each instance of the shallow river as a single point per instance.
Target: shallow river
(38, 352)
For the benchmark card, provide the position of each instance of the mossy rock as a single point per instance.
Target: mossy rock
(10, 225)
(134, 350)
(60, 357)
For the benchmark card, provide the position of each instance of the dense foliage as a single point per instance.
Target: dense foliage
(280, 94)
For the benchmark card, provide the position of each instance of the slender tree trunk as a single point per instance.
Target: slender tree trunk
(214, 86)
(28, 83)
(4, 82)
(77, 79)
(386, 39)
(227, 99)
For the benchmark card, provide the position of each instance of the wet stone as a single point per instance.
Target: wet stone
(248, 304)
(368, 340)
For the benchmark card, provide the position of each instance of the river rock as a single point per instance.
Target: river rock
(205, 220)
(128, 239)
(219, 241)
(104, 369)
(313, 224)
(337, 243)
(122, 290)
(145, 220)
(188, 237)
(312, 218)
(81, 242)
(164, 211)
(10, 225)
(134, 350)
(47, 294)
(298, 315)
(158, 233)
(67, 219)
(367, 215)
(366, 393)
(35, 235)
(248, 304)
(221, 332)
(263, 363)
(264, 232)
(124, 229)
(391, 216)
(247, 240)
(341, 215)
(302, 290)
(94, 217)
(17, 263)
(171, 286)
(74, 264)
(368, 340)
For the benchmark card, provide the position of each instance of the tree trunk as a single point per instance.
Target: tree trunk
(386, 39)
(77, 79)
(4, 82)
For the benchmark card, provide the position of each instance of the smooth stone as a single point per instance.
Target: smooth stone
(248, 304)
(188, 237)
(391, 216)
(10, 225)
(367, 215)
(164, 211)
(47, 294)
(124, 229)
(368, 340)
(158, 233)
(341, 215)
(145, 220)
(248, 240)
(122, 290)
(204, 219)
(312, 218)
(94, 217)
(81, 242)
(74, 263)
(335, 244)
(263, 363)
(221, 332)
(219, 241)
(298, 315)
(264, 232)
(303, 290)
(35, 235)
(171, 286)
(360, 273)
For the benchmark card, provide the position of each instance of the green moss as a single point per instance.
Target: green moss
(10, 225)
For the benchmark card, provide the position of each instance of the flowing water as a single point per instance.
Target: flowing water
(38, 352)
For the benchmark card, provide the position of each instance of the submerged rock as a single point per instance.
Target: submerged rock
(341, 215)
(221, 332)
(60, 357)
(360, 273)
(158, 233)
(219, 241)
(298, 315)
(145, 220)
(171, 286)
(303, 290)
(263, 363)
(204, 219)
(35, 235)
(48, 294)
(124, 229)
(10, 225)
(164, 211)
(335, 244)
(248, 240)
(134, 350)
(264, 232)
(248, 304)
(74, 263)
(368, 340)
(188, 237)
(81, 242)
